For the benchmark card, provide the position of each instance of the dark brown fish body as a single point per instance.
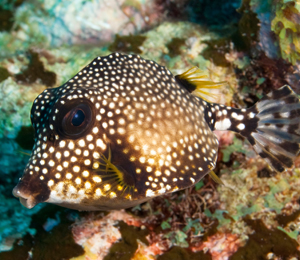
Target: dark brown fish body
(124, 130)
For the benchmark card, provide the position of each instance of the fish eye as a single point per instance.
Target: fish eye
(76, 120)
(78, 117)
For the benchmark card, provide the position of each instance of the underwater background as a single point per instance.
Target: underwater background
(253, 45)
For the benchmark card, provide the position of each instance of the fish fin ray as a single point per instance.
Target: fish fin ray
(120, 181)
(215, 178)
(275, 131)
(198, 83)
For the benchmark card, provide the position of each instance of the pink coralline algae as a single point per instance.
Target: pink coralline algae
(97, 234)
(220, 246)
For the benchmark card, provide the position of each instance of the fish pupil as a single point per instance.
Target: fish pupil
(75, 120)
(78, 118)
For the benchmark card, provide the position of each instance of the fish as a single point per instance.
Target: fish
(124, 130)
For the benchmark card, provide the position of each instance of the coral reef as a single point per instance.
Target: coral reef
(286, 26)
(253, 45)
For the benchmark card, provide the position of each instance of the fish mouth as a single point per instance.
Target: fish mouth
(26, 200)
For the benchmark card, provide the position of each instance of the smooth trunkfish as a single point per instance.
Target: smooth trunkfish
(124, 130)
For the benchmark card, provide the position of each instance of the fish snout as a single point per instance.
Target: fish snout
(26, 199)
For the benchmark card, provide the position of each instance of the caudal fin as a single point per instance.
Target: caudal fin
(277, 136)
(272, 126)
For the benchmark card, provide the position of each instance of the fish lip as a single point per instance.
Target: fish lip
(27, 201)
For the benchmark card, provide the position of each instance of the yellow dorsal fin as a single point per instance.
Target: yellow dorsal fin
(199, 83)
(215, 178)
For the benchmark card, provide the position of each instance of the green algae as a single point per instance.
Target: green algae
(25, 137)
(36, 71)
(127, 44)
(222, 216)
(243, 210)
(194, 225)
(263, 241)
(177, 238)
(127, 246)
(165, 224)
(271, 198)
(292, 234)
(286, 26)
(178, 253)
(271, 201)
(237, 147)
(199, 185)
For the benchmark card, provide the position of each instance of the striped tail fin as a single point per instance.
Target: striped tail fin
(272, 126)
